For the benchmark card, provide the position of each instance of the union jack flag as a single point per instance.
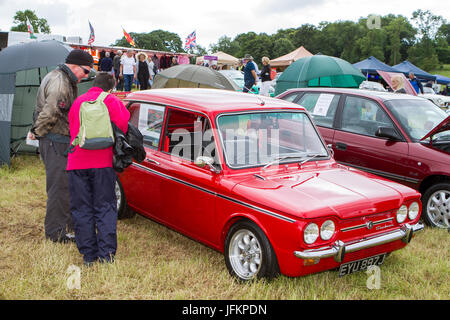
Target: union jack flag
(92, 35)
(191, 41)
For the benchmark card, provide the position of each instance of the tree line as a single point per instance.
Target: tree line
(422, 39)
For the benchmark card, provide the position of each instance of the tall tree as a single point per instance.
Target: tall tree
(423, 53)
(442, 43)
(156, 40)
(20, 21)
(400, 34)
(225, 44)
(281, 47)
(427, 23)
(306, 35)
(373, 43)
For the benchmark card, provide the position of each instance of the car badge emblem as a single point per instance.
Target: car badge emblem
(369, 225)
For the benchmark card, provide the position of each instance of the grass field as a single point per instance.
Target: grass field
(154, 262)
(445, 71)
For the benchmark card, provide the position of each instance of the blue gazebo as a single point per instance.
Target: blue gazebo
(372, 64)
(441, 79)
(407, 67)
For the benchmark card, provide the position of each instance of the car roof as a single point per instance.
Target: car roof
(210, 101)
(384, 96)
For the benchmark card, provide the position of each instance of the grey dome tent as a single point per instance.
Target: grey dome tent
(22, 68)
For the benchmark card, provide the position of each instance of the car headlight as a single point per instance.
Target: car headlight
(311, 233)
(402, 213)
(327, 230)
(413, 211)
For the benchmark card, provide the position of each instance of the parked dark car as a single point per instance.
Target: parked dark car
(397, 136)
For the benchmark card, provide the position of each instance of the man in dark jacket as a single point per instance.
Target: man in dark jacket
(55, 96)
(250, 76)
(107, 63)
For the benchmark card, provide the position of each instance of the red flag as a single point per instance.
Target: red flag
(128, 37)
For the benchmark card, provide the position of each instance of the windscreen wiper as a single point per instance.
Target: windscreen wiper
(279, 159)
(312, 156)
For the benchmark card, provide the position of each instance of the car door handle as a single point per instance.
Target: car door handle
(152, 161)
(341, 146)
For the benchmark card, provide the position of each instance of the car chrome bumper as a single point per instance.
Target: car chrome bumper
(339, 248)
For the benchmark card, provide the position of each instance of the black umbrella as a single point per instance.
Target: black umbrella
(32, 55)
(192, 76)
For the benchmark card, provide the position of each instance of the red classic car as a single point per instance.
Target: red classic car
(397, 136)
(251, 177)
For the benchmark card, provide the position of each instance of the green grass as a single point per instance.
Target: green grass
(154, 262)
(444, 70)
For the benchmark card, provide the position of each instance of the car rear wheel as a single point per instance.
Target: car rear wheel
(123, 211)
(248, 252)
(436, 205)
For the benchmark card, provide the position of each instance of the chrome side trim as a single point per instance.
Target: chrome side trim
(363, 225)
(268, 212)
(339, 248)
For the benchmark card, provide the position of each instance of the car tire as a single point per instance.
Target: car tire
(436, 205)
(123, 211)
(248, 253)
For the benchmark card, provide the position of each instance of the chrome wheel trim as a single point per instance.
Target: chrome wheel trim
(438, 208)
(245, 254)
(118, 195)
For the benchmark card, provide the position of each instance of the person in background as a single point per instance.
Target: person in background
(143, 70)
(265, 77)
(55, 96)
(240, 66)
(151, 68)
(128, 69)
(398, 84)
(250, 76)
(106, 65)
(415, 83)
(116, 66)
(92, 180)
(174, 61)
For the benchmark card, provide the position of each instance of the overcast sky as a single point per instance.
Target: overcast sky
(211, 19)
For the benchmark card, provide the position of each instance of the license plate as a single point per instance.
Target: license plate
(360, 265)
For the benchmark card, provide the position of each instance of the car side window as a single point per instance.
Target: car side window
(188, 135)
(364, 116)
(149, 119)
(290, 97)
(321, 106)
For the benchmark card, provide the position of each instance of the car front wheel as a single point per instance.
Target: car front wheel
(436, 205)
(248, 252)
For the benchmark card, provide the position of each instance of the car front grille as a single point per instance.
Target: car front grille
(367, 225)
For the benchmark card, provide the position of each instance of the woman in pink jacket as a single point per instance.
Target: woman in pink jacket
(92, 180)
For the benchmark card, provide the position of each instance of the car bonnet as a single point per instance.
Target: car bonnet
(441, 127)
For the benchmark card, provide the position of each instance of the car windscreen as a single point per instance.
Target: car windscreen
(417, 116)
(260, 138)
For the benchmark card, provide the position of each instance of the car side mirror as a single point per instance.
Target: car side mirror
(387, 132)
(203, 161)
(330, 148)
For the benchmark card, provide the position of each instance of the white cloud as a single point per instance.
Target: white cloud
(211, 19)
